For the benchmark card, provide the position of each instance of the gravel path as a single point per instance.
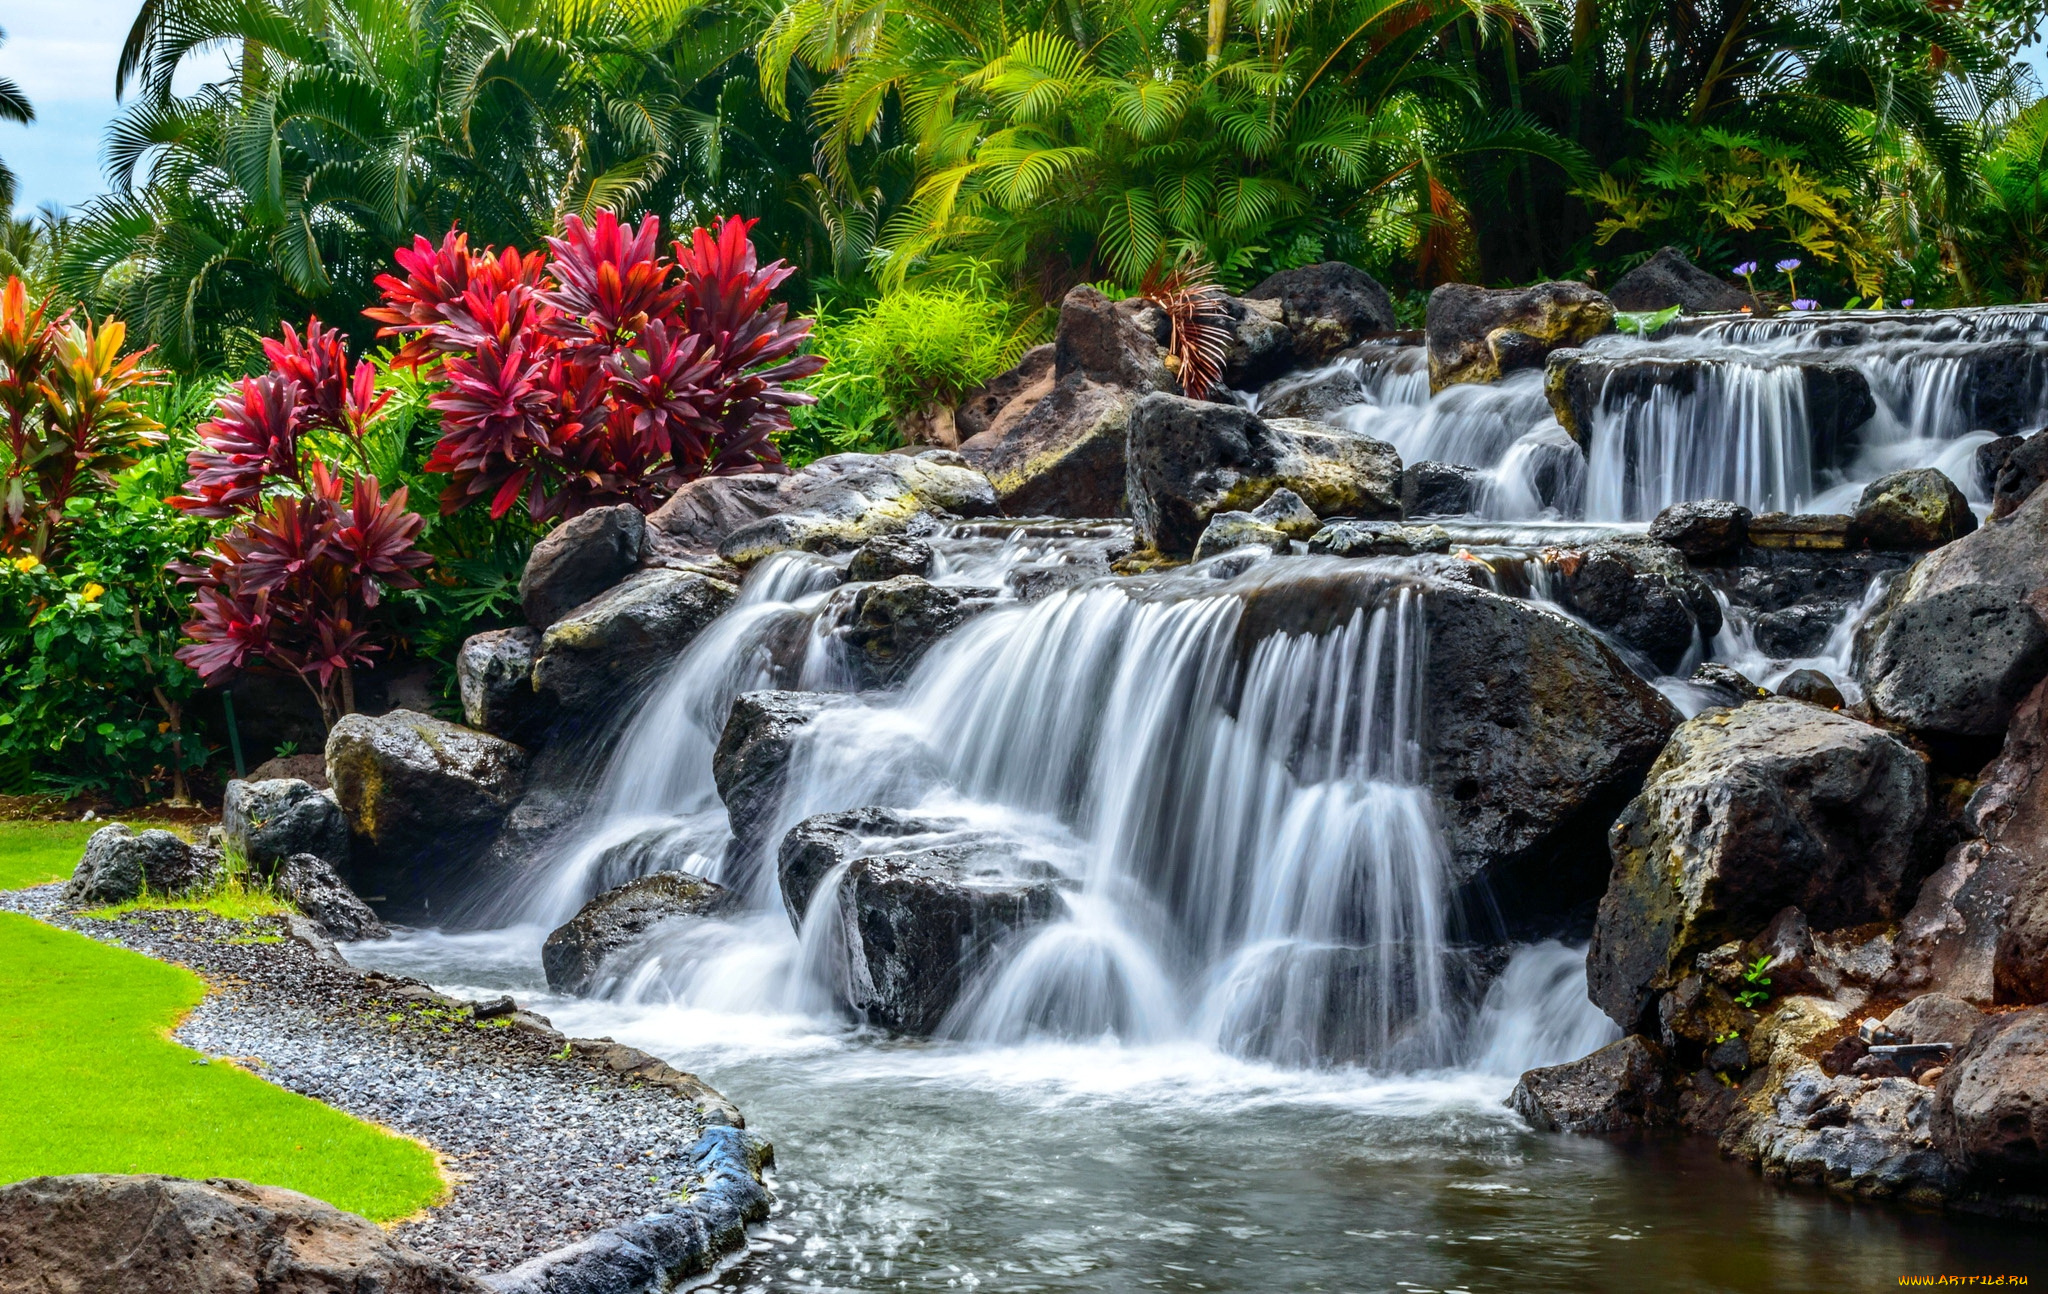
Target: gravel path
(544, 1147)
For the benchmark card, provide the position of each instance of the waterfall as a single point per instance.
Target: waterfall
(1734, 431)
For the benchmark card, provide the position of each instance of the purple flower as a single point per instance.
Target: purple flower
(1805, 303)
(1746, 269)
(1908, 303)
(1787, 266)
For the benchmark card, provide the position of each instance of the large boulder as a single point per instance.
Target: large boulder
(1431, 489)
(423, 798)
(1991, 1109)
(266, 822)
(1703, 531)
(494, 673)
(839, 503)
(1327, 307)
(316, 889)
(1191, 460)
(1641, 593)
(888, 627)
(1064, 457)
(1746, 812)
(1669, 279)
(119, 864)
(2018, 472)
(580, 559)
(749, 767)
(888, 557)
(1260, 348)
(1915, 509)
(1960, 639)
(1008, 395)
(149, 1234)
(1315, 395)
(1117, 343)
(593, 659)
(1476, 334)
(1619, 1088)
(695, 520)
(574, 955)
(921, 906)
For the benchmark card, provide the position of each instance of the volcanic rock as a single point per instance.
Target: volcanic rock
(1915, 509)
(596, 657)
(266, 822)
(580, 559)
(1669, 279)
(1327, 307)
(316, 889)
(574, 955)
(1619, 1088)
(494, 671)
(1476, 334)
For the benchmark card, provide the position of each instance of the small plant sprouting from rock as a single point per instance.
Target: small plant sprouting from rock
(1759, 982)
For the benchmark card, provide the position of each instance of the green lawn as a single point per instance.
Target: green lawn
(32, 853)
(90, 1082)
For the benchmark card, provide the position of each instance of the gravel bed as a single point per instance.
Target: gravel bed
(544, 1148)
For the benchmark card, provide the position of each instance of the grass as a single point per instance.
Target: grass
(35, 853)
(90, 1082)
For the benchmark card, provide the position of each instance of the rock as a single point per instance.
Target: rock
(119, 865)
(1957, 641)
(888, 557)
(1189, 461)
(1314, 395)
(1812, 687)
(573, 956)
(316, 889)
(1990, 457)
(750, 764)
(1726, 685)
(149, 1234)
(1915, 509)
(1935, 1017)
(1797, 631)
(842, 501)
(921, 906)
(1007, 395)
(1440, 489)
(1746, 812)
(593, 659)
(1260, 347)
(1378, 539)
(1230, 530)
(1064, 457)
(309, 767)
(1952, 937)
(267, 822)
(1669, 279)
(1117, 343)
(2021, 469)
(422, 797)
(1865, 1137)
(494, 671)
(1619, 1088)
(888, 627)
(1640, 592)
(1327, 307)
(1705, 531)
(580, 559)
(1991, 1107)
(1821, 532)
(2003, 382)
(1288, 513)
(701, 513)
(1476, 334)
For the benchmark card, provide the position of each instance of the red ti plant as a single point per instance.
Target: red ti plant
(295, 581)
(605, 373)
(66, 393)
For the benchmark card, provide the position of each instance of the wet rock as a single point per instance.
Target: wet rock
(1915, 509)
(1819, 532)
(595, 658)
(119, 864)
(1476, 334)
(1189, 461)
(574, 955)
(888, 627)
(1260, 346)
(1989, 458)
(265, 822)
(1619, 1088)
(1950, 940)
(1034, 580)
(1669, 279)
(423, 798)
(1440, 489)
(1314, 395)
(1288, 513)
(888, 557)
(1705, 531)
(1797, 631)
(921, 906)
(1642, 593)
(1117, 343)
(2003, 381)
(1327, 307)
(1991, 1109)
(2020, 471)
(1958, 640)
(1746, 812)
(150, 1234)
(1065, 457)
(751, 764)
(1008, 395)
(1726, 685)
(1378, 539)
(1764, 580)
(580, 559)
(1231, 530)
(840, 502)
(1935, 1017)
(494, 671)
(1812, 687)
(316, 889)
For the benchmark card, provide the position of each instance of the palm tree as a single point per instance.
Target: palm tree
(14, 106)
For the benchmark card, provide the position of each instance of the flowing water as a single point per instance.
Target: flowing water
(1263, 1045)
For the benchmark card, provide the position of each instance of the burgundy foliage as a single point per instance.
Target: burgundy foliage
(606, 373)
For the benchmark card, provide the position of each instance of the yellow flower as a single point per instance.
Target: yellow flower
(25, 564)
(91, 592)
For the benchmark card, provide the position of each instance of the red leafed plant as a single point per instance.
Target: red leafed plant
(605, 373)
(295, 580)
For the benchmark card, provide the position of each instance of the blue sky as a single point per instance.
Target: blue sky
(62, 53)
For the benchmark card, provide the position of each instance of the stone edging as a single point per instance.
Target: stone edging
(657, 1250)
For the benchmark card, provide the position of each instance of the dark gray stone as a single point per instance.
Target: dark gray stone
(1314, 395)
(1378, 539)
(1440, 489)
(888, 557)
(1639, 591)
(266, 822)
(1669, 279)
(1726, 685)
(1619, 1088)
(494, 671)
(595, 658)
(749, 766)
(574, 955)
(888, 627)
(838, 503)
(1704, 531)
(1065, 457)
(1260, 348)
(316, 889)
(120, 864)
(1327, 307)
(1991, 1107)
(580, 559)
(2020, 471)
(1812, 687)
